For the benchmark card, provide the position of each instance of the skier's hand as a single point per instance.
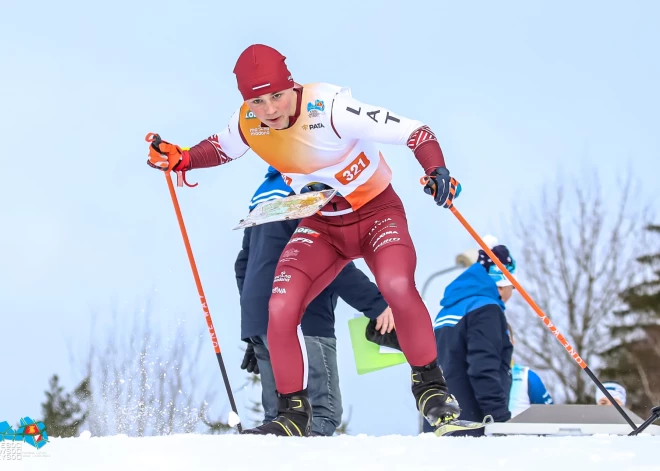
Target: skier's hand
(442, 187)
(389, 339)
(385, 322)
(250, 360)
(163, 155)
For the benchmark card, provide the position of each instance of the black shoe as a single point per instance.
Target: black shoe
(294, 417)
(432, 395)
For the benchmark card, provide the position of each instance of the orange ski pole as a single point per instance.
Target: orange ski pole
(155, 140)
(553, 328)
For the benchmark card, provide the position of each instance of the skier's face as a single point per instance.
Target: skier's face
(274, 109)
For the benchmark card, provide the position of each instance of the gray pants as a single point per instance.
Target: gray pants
(322, 382)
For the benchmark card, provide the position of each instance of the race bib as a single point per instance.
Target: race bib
(353, 170)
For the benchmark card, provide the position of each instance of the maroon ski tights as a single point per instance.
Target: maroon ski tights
(316, 253)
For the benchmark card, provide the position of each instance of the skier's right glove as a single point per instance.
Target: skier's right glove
(388, 339)
(250, 360)
(163, 155)
(443, 187)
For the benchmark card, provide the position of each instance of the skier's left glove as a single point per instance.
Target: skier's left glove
(443, 187)
(388, 339)
(250, 360)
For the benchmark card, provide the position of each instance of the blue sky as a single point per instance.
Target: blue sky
(515, 91)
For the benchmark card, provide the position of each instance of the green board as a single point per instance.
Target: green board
(367, 354)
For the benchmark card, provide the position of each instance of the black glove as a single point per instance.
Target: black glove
(442, 187)
(389, 339)
(250, 360)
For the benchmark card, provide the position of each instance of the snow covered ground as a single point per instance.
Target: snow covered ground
(425, 452)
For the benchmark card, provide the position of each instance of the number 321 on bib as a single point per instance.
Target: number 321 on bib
(353, 170)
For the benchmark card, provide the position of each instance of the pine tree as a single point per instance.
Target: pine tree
(63, 412)
(634, 360)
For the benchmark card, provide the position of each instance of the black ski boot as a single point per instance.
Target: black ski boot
(294, 417)
(433, 399)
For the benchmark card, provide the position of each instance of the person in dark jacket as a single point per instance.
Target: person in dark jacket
(263, 247)
(474, 349)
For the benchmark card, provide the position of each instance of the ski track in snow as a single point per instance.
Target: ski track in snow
(361, 452)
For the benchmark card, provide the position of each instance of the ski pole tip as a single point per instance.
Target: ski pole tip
(233, 420)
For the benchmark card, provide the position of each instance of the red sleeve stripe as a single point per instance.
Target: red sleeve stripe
(420, 136)
(222, 157)
(426, 148)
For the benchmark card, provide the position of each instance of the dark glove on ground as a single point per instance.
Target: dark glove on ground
(250, 360)
(386, 340)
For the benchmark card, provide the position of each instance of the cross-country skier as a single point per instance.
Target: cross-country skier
(318, 136)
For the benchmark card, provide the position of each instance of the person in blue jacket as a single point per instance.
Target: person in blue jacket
(473, 344)
(527, 388)
(263, 246)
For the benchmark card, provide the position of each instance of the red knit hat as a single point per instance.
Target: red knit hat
(261, 69)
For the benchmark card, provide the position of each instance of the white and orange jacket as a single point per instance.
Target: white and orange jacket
(332, 141)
